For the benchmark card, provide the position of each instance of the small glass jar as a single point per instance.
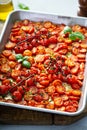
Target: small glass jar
(5, 8)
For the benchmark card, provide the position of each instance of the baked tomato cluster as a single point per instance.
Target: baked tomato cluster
(42, 65)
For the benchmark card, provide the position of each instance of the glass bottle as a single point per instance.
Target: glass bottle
(5, 8)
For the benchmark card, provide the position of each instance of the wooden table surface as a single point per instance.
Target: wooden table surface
(11, 115)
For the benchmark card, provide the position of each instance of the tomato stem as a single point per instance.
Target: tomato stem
(28, 38)
(21, 81)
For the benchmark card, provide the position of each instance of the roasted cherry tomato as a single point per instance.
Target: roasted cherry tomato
(58, 101)
(30, 82)
(70, 108)
(17, 96)
(38, 98)
(4, 89)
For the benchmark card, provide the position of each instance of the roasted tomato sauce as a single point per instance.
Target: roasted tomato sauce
(41, 66)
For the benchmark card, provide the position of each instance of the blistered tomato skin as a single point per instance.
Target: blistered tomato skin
(17, 96)
(4, 89)
(41, 66)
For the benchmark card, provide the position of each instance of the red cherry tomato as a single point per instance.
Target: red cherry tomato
(57, 82)
(60, 89)
(50, 105)
(6, 82)
(43, 31)
(58, 101)
(7, 53)
(29, 82)
(44, 82)
(45, 42)
(40, 86)
(71, 79)
(75, 69)
(75, 86)
(70, 108)
(31, 103)
(44, 94)
(75, 103)
(15, 73)
(50, 89)
(53, 39)
(21, 90)
(65, 70)
(13, 39)
(34, 43)
(4, 89)
(38, 98)
(19, 49)
(10, 45)
(17, 96)
(60, 46)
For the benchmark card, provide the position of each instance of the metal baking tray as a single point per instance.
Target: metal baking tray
(37, 16)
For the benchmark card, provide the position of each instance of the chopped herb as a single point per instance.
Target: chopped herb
(29, 92)
(69, 54)
(11, 81)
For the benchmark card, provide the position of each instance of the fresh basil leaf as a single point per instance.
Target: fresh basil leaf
(67, 29)
(72, 36)
(26, 64)
(79, 35)
(18, 56)
(75, 35)
(23, 6)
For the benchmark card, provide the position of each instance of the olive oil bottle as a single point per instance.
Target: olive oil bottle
(5, 8)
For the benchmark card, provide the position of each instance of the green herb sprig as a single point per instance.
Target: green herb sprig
(73, 35)
(23, 60)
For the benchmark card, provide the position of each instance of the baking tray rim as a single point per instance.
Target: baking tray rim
(36, 108)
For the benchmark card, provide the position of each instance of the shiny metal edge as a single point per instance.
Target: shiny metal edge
(37, 16)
